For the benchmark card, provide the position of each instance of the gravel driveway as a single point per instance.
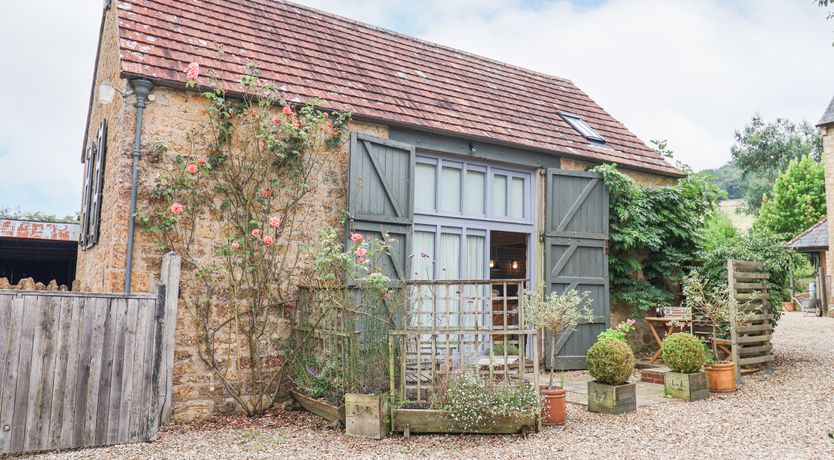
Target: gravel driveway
(786, 415)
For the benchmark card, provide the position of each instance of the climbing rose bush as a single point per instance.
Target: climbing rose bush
(252, 167)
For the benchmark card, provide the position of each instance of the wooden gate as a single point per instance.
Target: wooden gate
(576, 257)
(83, 369)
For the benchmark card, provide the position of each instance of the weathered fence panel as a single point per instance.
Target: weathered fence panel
(751, 350)
(83, 369)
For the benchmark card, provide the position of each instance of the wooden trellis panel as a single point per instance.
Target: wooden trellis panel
(750, 340)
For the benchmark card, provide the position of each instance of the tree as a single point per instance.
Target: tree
(763, 150)
(797, 200)
(19, 214)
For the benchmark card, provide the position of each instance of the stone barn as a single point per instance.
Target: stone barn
(477, 161)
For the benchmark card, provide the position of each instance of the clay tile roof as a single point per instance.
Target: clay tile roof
(373, 73)
(815, 238)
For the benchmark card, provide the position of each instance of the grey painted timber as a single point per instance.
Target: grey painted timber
(82, 370)
(576, 256)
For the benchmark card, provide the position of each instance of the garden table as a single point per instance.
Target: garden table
(669, 323)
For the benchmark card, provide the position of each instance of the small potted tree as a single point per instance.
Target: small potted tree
(714, 306)
(684, 354)
(610, 363)
(556, 312)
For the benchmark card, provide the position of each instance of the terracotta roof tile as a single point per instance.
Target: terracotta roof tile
(372, 72)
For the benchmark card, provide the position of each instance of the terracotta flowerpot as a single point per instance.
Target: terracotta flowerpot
(721, 377)
(787, 306)
(554, 407)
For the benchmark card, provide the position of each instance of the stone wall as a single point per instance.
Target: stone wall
(642, 178)
(828, 163)
(101, 267)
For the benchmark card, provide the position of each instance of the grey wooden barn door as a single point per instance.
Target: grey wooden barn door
(381, 196)
(575, 237)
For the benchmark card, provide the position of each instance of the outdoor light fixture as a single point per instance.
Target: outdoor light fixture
(515, 265)
(491, 263)
(105, 93)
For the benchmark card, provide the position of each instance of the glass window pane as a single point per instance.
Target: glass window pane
(424, 187)
(499, 195)
(517, 205)
(450, 189)
(474, 197)
(448, 258)
(423, 255)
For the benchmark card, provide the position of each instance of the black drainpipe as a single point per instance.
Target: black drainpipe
(142, 88)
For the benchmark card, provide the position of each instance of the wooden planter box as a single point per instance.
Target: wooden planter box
(366, 415)
(690, 387)
(612, 399)
(323, 409)
(409, 421)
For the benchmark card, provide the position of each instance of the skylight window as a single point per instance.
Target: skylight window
(582, 127)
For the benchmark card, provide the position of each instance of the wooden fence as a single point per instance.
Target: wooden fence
(85, 369)
(751, 350)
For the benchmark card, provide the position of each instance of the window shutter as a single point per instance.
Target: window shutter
(98, 185)
(86, 194)
(381, 197)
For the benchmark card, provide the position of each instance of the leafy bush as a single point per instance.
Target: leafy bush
(718, 230)
(619, 332)
(683, 352)
(768, 249)
(467, 398)
(610, 361)
(498, 349)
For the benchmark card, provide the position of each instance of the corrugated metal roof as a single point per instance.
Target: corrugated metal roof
(374, 73)
(26, 229)
(815, 238)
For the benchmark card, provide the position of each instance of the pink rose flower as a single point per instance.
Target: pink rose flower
(201, 160)
(276, 120)
(631, 321)
(361, 260)
(235, 245)
(256, 232)
(268, 240)
(261, 145)
(287, 110)
(356, 238)
(177, 209)
(275, 222)
(192, 71)
(266, 192)
(361, 252)
(191, 168)
(386, 295)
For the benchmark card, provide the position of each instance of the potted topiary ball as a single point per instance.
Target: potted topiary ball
(684, 354)
(610, 363)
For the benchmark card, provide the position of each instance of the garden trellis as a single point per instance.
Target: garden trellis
(447, 325)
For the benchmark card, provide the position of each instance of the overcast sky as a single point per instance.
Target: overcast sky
(690, 72)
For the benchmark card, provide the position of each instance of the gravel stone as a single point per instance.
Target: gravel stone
(786, 415)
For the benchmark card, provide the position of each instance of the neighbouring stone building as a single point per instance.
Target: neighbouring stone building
(826, 126)
(493, 148)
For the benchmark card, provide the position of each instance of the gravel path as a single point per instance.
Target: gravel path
(786, 415)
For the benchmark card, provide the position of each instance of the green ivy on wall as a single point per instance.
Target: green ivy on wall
(656, 233)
